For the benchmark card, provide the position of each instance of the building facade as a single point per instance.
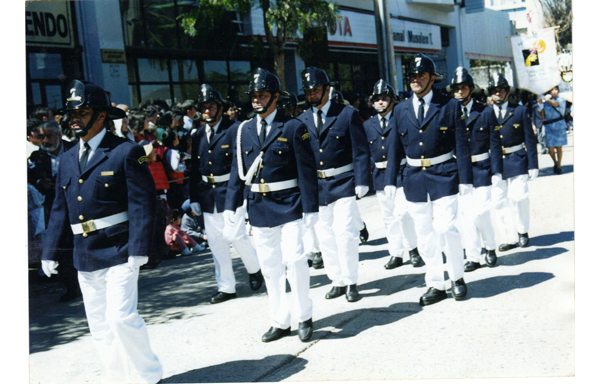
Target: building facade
(136, 49)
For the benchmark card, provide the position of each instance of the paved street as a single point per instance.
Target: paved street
(518, 319)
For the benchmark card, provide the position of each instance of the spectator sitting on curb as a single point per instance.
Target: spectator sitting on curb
(193, 224)
(178, 240)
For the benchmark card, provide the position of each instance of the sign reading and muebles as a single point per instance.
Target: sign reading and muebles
(536, 61)
(49, 24)
(356, 28)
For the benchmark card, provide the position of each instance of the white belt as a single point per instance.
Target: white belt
(383, 164)
(324, 173)
(94, 225)
(215, 179)
(480, 157)
(512, 149)
(274, 187)
(429, 162)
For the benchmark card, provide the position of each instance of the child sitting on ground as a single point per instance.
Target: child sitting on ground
(193, 224)
(178, 240)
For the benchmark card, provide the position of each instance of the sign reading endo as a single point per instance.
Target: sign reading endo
(48, 24)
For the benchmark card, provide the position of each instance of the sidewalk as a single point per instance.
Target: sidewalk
(517, 320)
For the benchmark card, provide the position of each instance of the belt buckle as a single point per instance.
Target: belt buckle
(263, 188)
(504, 151)
(321, 174)
(211, 179)
(425, 162)
(473, 160)
(88, 226)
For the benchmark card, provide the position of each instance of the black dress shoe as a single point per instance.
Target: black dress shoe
(275, 333)
(470, 266)
(256, 280)
(507, 247)
(220, 297)
(364, 234)
(305, 330)
(432, 296)
(415, 258)
(335, 292)
(352, 293)
(317, 261)
(394, 262)
(459, 289)
(523, 240)
(491, 258)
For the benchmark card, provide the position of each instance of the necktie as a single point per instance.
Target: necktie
(319, 121)
(84, 157)
(211, 133)
(263, 131)
(465, 114)
(499, 116)
(383, 123)
(421, 111)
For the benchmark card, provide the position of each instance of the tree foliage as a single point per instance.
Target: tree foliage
(559, 13)
(282, 19)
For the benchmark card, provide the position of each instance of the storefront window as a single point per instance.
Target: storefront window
(215, 71)
(184, 70)
(45, 66)
(153, 70)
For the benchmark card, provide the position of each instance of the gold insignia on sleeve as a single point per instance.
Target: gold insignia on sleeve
(443, 128)
(305, 136)
(225, 146)
(107, 173)
(283, 139)
(498, 127)
(516, 125)
(143, 159)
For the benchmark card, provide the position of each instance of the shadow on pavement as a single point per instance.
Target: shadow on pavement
(382, 253)
(497, 285)
(367, 318)
(380, 241)
(391, 285)
(241, 371)
(551, 239)
(549, 171)
(183, 282)
(519, 258)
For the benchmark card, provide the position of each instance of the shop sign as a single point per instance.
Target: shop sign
(48, 23)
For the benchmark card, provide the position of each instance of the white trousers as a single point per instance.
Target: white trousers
(311, 241)
(511, 203)
(119, 333)
(220, 237)
(475, 218)
(338, 238)
(280, 254)
(435, 223)
(399, 225)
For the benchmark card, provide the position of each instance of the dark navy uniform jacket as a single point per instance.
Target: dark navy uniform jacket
(342, 141)
(116, 179)
(516, 129)
(443, 131)
(286, 155)
(484, 137)
(212, 159)
(379, 146)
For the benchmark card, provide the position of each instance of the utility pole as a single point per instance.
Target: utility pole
(380, 27)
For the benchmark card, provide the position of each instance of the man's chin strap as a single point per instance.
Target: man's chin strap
(500, 102)
(467, 98)
(262, 110)
(316, 103)
(213, 119)
(84, 131)
(386, 109)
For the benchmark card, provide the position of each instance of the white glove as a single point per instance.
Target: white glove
(310, 219)
(229, 217)
(196, 209)
(548, 97)
(135, 262)
(533, 173)
(49, 267)
(465, 189)
(361, 190)
(390, 191)
(496, 178)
